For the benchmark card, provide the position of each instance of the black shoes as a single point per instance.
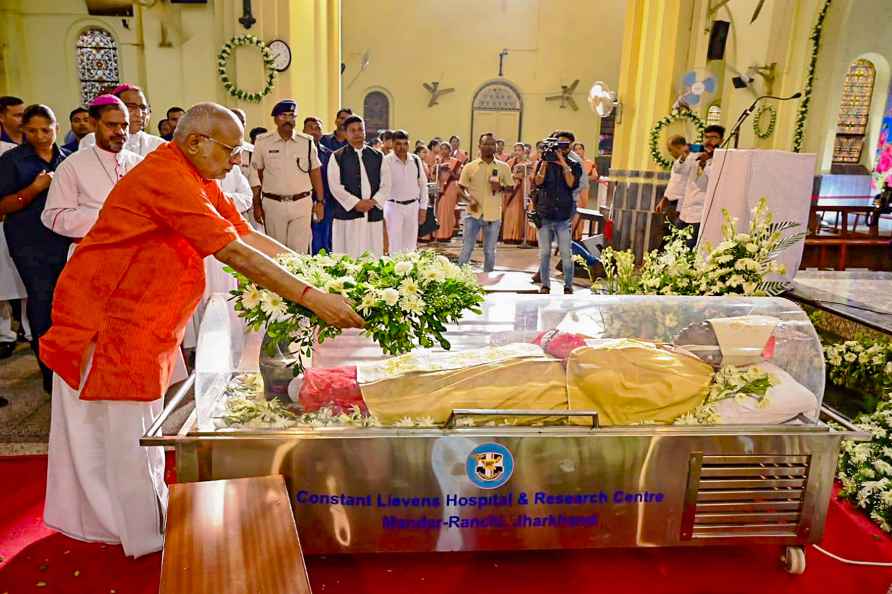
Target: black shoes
(6, 349)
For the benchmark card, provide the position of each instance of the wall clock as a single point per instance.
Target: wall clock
(281, 54)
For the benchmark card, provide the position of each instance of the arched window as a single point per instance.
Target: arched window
(97, 62)
(854, 112)
(376, 112)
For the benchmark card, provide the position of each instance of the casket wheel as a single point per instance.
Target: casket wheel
(794, 560)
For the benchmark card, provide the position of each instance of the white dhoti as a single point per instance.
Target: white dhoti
(11, 287)
(402, 226)
(101, 485)
(354, 237)
(289, 222)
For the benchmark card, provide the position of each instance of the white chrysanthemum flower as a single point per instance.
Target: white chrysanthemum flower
(390, 296)
(409, 287)
(752, 248)
(272, 304)
(850, 357)
(403, 268)
(412, 304)
(405, 422)
(251, 297)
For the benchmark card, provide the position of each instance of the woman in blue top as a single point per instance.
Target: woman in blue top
(39, 254)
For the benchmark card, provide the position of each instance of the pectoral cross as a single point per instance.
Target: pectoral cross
(247, 19)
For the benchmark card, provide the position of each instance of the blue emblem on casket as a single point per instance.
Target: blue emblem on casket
(490, 465)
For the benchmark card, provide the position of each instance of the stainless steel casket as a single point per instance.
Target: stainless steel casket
(356, 490)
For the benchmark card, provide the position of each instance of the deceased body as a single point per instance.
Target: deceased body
(715, 372)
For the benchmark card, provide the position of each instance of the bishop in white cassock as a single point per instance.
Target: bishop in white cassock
(360, 186)
(84, 180)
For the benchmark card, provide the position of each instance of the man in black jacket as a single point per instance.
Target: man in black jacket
(360, 187)
(557, 176)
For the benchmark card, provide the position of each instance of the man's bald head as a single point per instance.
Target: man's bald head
(207, 135)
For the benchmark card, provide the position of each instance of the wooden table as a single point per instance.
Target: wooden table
(593, 218)
(845, 205)
(232, 537)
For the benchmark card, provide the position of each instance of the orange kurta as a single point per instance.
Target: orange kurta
(448, 180)
(514, 220)
(136, 278)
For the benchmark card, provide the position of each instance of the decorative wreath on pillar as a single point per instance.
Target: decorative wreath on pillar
(757, 121)
(268, 66)
(674, 116)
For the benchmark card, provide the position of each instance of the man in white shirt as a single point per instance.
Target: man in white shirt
(699, 167)
(138, 108)
(360, 186)
(84, 180)
(406, 206)
(285, 173)
(247, 148)
(675, 189)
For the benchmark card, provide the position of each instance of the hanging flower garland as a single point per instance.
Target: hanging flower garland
(802, 115)
(677, 114)
(268, 66)
(757, 121)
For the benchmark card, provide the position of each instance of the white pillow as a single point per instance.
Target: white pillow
(786, 400)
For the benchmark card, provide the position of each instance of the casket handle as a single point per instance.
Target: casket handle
(855, 433)
(524, 412)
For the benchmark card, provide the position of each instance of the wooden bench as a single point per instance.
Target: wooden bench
(233, 536)
(843, 244)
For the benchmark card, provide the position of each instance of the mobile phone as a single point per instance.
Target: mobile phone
(696, 147)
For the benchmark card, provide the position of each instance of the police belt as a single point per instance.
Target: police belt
(287, 197)
(403, 202)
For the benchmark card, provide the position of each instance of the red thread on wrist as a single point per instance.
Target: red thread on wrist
(304, 292)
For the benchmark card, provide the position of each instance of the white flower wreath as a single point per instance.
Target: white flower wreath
(654, 141)
(268, 66)
(757, 121)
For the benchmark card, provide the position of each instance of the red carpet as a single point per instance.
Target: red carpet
(37, 560)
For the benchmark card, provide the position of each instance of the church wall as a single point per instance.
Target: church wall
(171, 51)
(551, 42)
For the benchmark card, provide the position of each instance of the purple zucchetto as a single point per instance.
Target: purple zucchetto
(103, 100)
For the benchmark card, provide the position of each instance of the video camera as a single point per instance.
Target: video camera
(550, 146)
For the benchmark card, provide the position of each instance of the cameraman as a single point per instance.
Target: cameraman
(557, 177)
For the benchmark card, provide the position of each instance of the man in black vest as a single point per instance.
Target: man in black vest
(360, 187)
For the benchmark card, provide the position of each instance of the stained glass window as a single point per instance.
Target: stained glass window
(376, 112)
(854, 111)
(97, 63)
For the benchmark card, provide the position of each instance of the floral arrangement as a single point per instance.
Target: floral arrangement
(740, 264)
(654, 138)
(802, 114)
(268, 65)
(729, 382)
(883, 169)
(860, 365)
(865, 469)
(406, 301)
(757, 121)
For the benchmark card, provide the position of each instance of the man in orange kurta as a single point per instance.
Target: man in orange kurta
(119, 313)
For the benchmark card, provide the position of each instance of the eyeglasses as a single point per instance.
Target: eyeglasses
(234, 151)
(138, 107)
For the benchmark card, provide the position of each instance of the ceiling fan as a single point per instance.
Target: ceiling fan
(566, 96)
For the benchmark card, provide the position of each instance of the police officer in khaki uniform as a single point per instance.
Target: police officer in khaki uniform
(286, 178)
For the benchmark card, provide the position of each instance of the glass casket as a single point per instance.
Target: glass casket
(552, 422)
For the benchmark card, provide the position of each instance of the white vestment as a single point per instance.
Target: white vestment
(408, 184)
(140, 143)
(357, 236)
(80, 186)
(11, 286)
(235, 187)
(102, 486)
(695, 190)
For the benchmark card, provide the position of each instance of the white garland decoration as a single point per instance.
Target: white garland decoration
(757, 121)
(268, 65)
(654, 140)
